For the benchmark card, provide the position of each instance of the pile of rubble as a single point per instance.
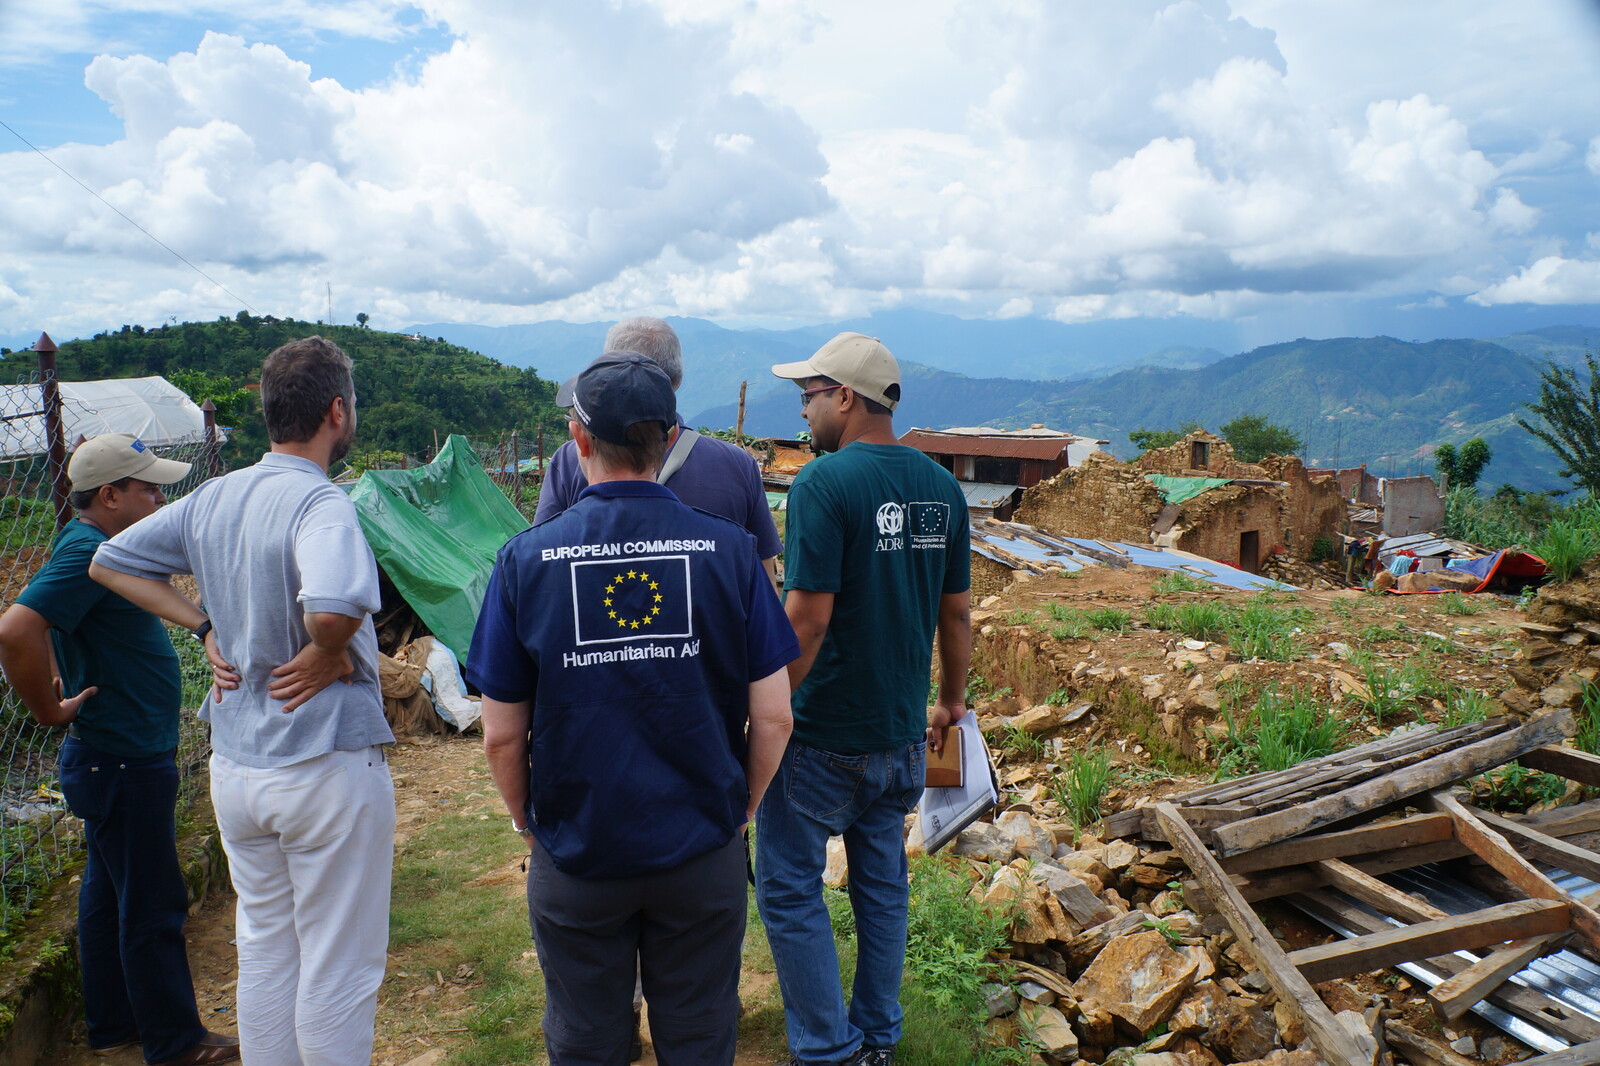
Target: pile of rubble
(1560, 655)
(1109, 954)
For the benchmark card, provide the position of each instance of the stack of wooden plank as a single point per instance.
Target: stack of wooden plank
(1322, 834)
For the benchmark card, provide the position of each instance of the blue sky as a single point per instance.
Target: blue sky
(1285, 167)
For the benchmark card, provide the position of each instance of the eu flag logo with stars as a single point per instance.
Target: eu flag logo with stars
(639, 598)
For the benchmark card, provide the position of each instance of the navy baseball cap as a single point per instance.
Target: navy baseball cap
(618, 390)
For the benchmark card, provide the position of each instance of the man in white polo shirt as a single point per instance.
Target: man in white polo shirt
(298, 777)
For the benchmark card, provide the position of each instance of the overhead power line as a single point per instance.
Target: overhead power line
(176, 255)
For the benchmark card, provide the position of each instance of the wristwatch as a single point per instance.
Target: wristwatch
(522, 830)
(199, 632)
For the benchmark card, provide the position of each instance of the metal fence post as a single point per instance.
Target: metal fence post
(50, 390)
(213, 456)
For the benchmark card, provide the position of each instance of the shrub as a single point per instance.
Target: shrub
(1280, 731)
(1264, 631)
(1321, 549)
(1081, 787)
(1456, 603)
(1203, 621)
(1178, 581)
(1108, 618)
(1565, 546)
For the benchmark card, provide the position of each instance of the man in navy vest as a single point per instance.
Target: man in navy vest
(632, 660)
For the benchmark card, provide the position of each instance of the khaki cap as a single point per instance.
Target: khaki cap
(114, 456)
(852, 359)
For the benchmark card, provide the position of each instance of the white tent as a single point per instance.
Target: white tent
(152, 409)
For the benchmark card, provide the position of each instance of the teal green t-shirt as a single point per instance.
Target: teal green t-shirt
(102, 639)
(884, 528)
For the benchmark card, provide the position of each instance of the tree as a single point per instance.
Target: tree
(232, 401)
(1147, 439)
(1254, 438)
(361, 319)
(1461, 469)
(1570, 411)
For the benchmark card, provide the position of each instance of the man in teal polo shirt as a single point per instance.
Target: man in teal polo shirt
(68, 634)
(876, 570)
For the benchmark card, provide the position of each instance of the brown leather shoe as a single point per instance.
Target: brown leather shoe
(106, 1050)
(205, 1054)
(219, 1040)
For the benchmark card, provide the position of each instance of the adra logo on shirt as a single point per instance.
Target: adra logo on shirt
(891, 519)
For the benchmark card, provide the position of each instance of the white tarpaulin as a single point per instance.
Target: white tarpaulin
(152, 409)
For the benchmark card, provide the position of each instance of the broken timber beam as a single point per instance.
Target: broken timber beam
(1549, 1014)
(1443, 769)
(1270, 883)
(1543, 847)
(1384, 836)
(1458, 994)
(1495, 850)
(1338, 1043)
(1410, 943)
(1576, 1055)
(1421, 1050)
(1570, 763)
(1368, 889)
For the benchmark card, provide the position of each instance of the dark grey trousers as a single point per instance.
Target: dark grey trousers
(683, 926)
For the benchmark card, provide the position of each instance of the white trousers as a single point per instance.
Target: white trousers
(310, 848)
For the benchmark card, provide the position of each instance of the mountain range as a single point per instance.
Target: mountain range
(1374, 400)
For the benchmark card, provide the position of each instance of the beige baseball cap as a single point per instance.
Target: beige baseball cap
(114, 456)
(852, 359)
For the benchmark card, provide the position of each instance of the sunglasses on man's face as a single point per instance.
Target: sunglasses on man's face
(805, 397)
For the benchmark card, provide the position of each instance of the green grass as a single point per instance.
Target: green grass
(1081, 787)
(1282, 729)
(1565, 546)
(1389, 692)
(1202, 621)
(1466, 706)
(440, 920)
(1020, 618)
(1025, 744)
(1457, 604)
(1177, 581)
(1264, 630)
(1588, 715)
(25, 522)
(1163, 616)
(1514, 787)
(1108, 619)
(1070, 623)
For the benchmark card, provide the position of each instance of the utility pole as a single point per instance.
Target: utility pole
(330, 303)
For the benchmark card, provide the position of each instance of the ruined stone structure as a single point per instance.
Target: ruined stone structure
(1272, 506)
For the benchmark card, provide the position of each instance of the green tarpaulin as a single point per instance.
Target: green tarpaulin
(435, 531)
(1179, 489)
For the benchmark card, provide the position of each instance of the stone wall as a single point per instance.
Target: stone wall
(1315, 506)
(1212, 523)
(989, 577)
(1102, 498)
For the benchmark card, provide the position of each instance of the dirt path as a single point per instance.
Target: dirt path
(431, 775)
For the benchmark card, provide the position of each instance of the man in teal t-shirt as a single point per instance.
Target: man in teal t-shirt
(67, 634)
(876, 569)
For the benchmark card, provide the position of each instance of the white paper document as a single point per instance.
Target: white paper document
(944, 812)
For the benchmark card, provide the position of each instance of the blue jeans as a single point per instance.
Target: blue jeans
(864, 798)
(132, 901)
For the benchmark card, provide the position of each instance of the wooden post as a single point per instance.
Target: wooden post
(516, 471)
(541, 452)
(54, 429)
(213, 455)
(738, 428)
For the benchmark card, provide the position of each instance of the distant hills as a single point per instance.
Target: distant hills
(1374, 400)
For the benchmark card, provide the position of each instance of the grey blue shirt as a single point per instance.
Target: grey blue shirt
(267, 545)
(716, 477)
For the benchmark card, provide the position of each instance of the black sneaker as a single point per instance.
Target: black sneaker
(871, 1056)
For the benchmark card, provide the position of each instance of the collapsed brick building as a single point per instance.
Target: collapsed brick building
(1246, 514)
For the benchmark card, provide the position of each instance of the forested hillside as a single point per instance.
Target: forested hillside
(407, 390)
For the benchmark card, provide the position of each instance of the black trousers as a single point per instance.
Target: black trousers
(684, 927)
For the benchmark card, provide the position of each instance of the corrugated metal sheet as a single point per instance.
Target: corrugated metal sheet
(1046, 448)
(1032, 545)
(982, 494)
(1426, 544)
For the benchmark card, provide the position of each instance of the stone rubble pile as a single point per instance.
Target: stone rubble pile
(1110, 957)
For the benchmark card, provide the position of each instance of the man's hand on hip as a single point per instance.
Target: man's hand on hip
(307, 674)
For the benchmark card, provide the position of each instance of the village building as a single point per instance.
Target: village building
(994, 466)
(1197, 497)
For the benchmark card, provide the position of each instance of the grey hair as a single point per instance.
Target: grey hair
(653, 339)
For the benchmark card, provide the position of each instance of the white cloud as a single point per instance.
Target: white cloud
(1551, 280)
(800, 158)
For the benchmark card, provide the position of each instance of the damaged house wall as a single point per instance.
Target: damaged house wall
(1102, 498)
(1241, 524)
(1411, 505)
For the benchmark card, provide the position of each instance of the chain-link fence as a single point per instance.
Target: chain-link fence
(39, 837)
